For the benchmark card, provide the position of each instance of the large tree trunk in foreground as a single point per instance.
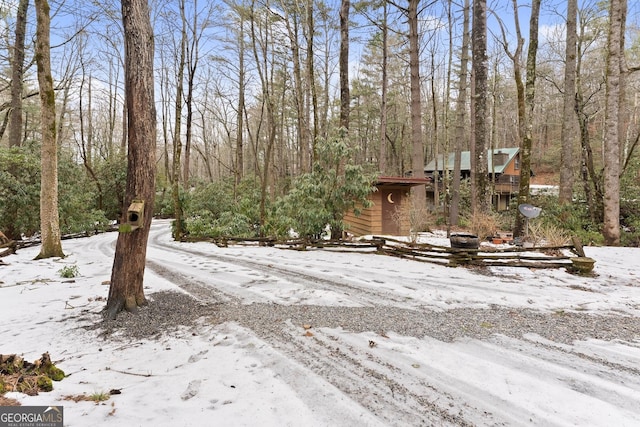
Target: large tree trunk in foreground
(49, 219)
(527, 119)
(481, 196)
(126, 290)
(614, 80)
(461, 112)
(418, 192)
(568, 132)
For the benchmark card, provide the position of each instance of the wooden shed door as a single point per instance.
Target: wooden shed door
(391, 204)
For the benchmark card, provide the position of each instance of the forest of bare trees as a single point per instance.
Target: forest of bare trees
(252, 95)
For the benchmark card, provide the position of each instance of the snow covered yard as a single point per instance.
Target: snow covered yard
(264, 336)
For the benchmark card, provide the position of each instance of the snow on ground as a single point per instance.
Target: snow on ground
(225, 375)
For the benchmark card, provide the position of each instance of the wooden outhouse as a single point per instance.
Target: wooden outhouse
(388, 215)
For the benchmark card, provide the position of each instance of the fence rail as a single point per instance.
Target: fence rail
(563, 256)
(487, 256)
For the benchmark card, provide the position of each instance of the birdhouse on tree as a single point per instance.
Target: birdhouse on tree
(135, 215)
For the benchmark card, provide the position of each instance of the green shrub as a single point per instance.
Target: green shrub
(572, 218)
(223, 209)
(80, 204)
(247, 199)
(324, 195)
(108, 197)
(215, 197)
(69, 271)
(199, 224)
(163, 207)
(630, 234)
(233, 224)
(77, 206)
(19, 192)
(277, 224)
(629, 206)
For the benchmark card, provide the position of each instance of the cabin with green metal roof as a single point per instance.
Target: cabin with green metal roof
(504, 172)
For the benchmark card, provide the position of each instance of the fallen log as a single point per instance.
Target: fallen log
(8, 251)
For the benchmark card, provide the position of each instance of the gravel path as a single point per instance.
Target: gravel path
(376, 385)
(168, 310)
(358, 371)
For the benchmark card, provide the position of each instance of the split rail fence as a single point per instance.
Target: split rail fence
(563, 256)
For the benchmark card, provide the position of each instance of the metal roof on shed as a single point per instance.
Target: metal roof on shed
(401, 180)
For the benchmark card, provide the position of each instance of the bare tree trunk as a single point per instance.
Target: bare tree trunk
(193, 59)
(447, 125)
(454, 209)
(17, 75)
(623, 111)
(61, 130)
(90, 125)
(614, 78)
(205, 152)
(591, 180)
(165, 114)
(86, 132)
(482, 201)
(382, 160)
(311, 78)
(178, 229)
(266, 80)
(434, 115)
(325, 100)
(86, 136)
(113, 102)
(126, 291)
(49, 219)
(239, 167)
(14, 117)
(529, 104)
(567, 136)
(302, 132)
(417, 157)
(345, 97)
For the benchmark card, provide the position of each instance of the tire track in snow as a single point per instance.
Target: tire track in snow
(361, 294)
(435, 392)
(372, 386)
(339, 365)
(376, 384)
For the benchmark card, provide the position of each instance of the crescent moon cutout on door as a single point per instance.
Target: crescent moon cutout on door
(389, 198)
